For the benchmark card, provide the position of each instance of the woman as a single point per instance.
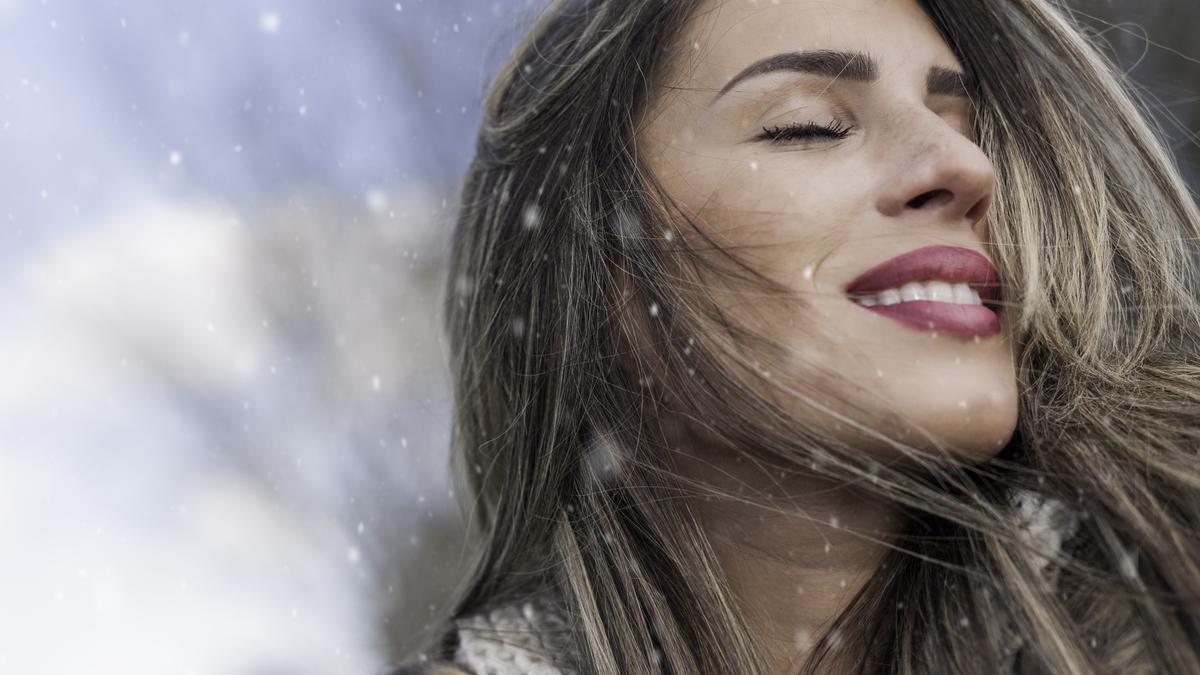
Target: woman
(853, 336)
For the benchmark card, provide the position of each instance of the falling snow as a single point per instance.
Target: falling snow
(1127, 564)
(192, 336)
(464, 285)
(531, 217)
(377, 200)
(269, 22)
(602, 455)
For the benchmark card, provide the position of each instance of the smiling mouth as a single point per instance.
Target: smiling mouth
(940, 288)
(936, 290)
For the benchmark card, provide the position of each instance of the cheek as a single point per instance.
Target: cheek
(955, 399)
(782, 228)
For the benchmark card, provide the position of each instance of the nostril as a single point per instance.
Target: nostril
(934, 196)
(977, 211)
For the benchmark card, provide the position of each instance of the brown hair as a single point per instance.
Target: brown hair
(577, 328)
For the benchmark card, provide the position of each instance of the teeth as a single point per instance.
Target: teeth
(940, 291)
(937, 291)
(964, 294)
(913, 291)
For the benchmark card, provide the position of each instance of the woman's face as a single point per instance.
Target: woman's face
(886, 166)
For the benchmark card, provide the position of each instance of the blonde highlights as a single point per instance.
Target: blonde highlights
(1095, 236)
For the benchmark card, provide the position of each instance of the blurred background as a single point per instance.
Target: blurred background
(223, 401)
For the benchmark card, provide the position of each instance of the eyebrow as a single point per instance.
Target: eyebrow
(853, 66)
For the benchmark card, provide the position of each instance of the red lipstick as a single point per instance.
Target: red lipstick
(951, 264)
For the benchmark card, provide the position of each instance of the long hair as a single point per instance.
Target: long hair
(579, 324)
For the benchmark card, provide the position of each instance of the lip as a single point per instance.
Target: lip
(952, 264)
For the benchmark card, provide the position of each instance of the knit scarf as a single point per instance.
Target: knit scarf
(533, 637)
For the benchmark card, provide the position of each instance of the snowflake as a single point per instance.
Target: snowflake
(269, 21)
(1045, 524)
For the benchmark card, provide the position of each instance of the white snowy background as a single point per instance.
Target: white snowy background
(223, 401)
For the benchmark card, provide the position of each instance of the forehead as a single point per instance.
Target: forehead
(725, 36)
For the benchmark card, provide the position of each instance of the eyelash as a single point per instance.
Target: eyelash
(805, 130)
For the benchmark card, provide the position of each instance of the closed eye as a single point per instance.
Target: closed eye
(804, 131)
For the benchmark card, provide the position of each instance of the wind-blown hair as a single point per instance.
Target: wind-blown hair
(580, 326)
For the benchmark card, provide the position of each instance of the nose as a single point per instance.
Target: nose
(936, 173)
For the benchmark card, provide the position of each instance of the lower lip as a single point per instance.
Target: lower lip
(944, 317)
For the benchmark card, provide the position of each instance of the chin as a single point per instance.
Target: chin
(966, 428)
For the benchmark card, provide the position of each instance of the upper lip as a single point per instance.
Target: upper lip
(953, 264)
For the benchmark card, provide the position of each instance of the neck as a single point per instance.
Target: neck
(794, 563)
